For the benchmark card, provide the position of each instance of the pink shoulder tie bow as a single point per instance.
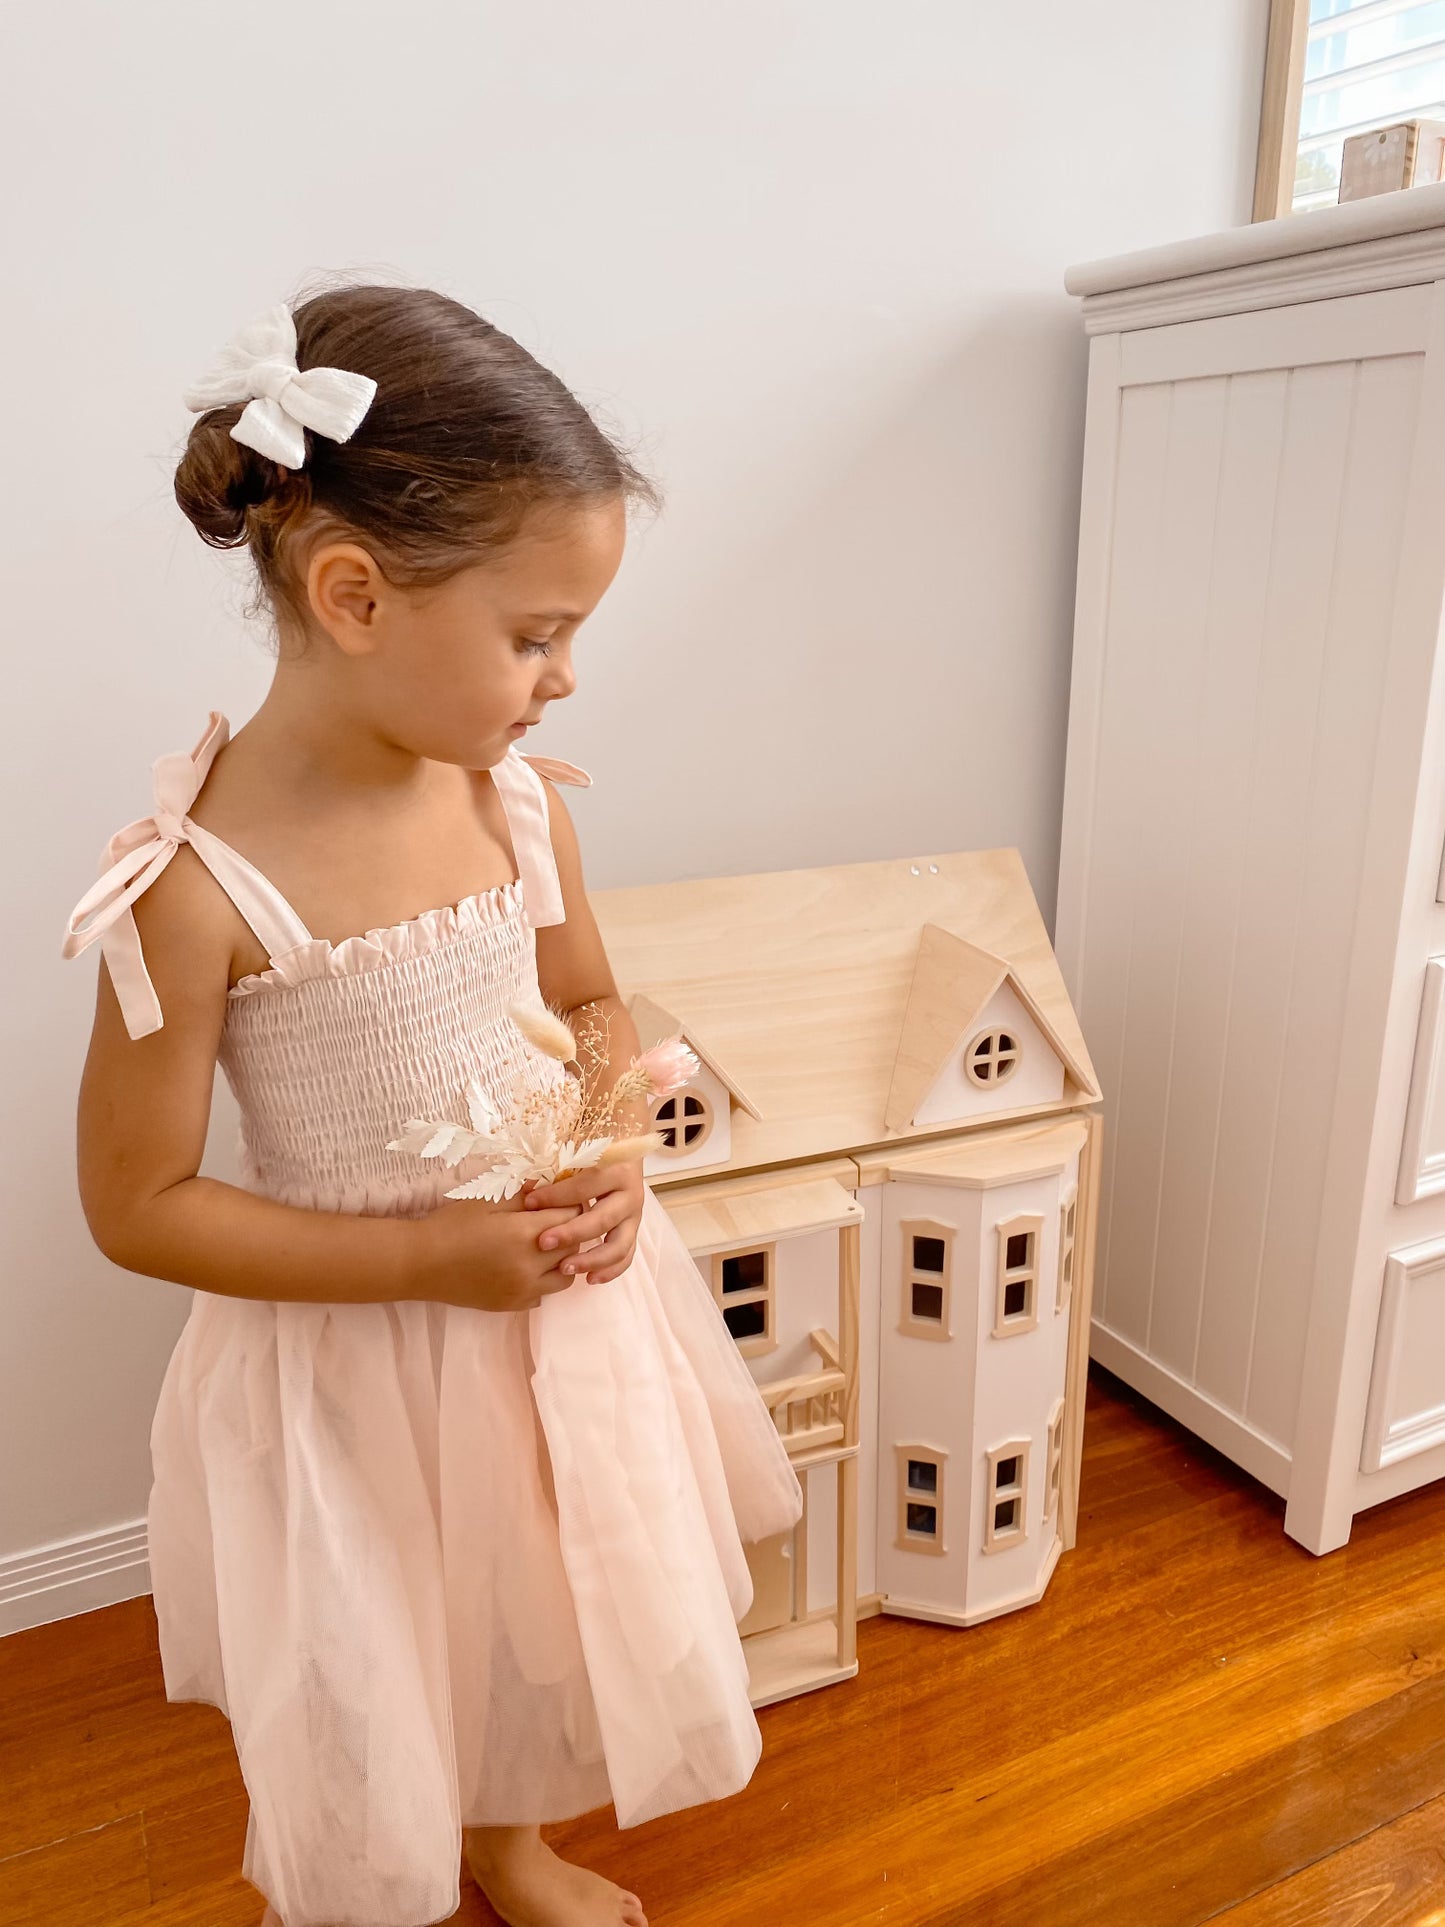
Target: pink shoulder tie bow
(133, 859)
(559, 771)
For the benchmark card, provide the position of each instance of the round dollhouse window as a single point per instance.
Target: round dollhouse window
(684, 1121)
(991, 1057)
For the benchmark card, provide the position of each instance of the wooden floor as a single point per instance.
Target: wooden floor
(1199, 1722)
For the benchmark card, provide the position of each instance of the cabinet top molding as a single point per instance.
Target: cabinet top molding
(1387, 241)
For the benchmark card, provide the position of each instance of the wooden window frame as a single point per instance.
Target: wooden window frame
(1054, 1466)
(1016, 1056)
(934, 1455)
(908, 1323)
(1280, 103)
(995, 1541)
(709, 1121)
(765, 1294)
(1068, 1247)
(1007, 1325)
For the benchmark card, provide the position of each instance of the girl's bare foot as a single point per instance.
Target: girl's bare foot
(529, 1886)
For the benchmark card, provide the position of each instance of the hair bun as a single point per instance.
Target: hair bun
(218, 479)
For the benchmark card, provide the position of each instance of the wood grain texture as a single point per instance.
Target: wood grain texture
(1279, 108)
(798, 981)
(1005, 1156)
(781, 1211)
(1200, 1721)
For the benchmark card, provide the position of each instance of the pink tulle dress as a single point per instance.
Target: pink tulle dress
(438, 1566)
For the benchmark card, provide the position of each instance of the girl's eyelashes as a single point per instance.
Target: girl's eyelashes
(534, 647)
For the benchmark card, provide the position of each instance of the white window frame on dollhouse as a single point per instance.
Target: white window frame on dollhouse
(764, 1294)
(1006, 1324)
(678, 1121)
(1068, 1238)
(995, 1540)
(908, 1539)
(1054, 1467)
(1002, 1063)
(914, 1324)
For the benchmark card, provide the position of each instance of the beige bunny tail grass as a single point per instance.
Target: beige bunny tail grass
(546, 1031)
(632, 1147)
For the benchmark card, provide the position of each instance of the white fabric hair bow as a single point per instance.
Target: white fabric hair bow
(258, 366)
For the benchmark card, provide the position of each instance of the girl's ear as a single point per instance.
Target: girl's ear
(344, 587)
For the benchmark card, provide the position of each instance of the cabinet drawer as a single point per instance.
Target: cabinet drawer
(1422, 1147)
(1406, 1412)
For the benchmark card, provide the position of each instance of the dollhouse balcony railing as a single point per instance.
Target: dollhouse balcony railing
(808, 1409)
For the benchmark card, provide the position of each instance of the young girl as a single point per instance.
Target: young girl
(448, 1495)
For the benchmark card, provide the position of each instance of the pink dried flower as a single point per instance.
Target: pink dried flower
(669, 1065)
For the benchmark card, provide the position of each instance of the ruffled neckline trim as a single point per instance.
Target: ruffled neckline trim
(393, 944)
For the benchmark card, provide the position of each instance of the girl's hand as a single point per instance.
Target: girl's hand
(485, 1255)
(612, 1197)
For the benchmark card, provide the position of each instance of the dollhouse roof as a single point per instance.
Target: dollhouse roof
(1038, 1149)
(800, 982)
(953, 983)
(755, 1217)
(654, 1023)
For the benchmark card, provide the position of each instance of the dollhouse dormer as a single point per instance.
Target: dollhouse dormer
(695, 1123)
(974, 1041)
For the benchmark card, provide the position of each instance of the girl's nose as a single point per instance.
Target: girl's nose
(557, 681)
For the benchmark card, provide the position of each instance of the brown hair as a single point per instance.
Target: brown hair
(466, 436)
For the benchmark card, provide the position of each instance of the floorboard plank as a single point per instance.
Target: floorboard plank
(1394, 1877)
(1199, 1722)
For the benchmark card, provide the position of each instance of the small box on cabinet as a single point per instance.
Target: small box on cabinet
(1405, 155)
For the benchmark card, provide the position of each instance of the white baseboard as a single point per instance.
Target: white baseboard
(73, 1576)
(1262, 1457)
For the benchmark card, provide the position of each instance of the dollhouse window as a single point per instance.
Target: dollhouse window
(1016, 1308)
(684, 1122)
(1004, 1521)
(743, 1285)
(926, 1273)
(1068, 1212)
(920, 1498)
(992, 1057)
(1054, 1471)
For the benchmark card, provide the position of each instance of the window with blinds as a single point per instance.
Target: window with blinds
(1367, 63)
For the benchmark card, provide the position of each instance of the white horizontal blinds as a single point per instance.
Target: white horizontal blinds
(1367, 64)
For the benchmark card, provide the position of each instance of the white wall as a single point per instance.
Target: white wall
(811, 253)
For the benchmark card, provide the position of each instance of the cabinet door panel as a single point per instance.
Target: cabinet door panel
(1422, 1149)
(1407, 1389)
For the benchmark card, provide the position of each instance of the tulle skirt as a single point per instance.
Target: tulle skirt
(443, 1567)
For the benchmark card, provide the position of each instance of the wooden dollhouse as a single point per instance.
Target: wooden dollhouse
(886, 1171)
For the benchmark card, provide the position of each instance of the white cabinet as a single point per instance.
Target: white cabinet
(1250, 917)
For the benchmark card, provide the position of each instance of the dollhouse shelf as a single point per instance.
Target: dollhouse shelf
(794, 1659)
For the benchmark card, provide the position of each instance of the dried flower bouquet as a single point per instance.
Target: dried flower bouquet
(549, 1134)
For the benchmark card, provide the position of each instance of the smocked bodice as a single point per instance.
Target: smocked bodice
(335, 1048)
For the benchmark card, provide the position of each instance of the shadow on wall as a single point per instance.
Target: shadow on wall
(886, 667)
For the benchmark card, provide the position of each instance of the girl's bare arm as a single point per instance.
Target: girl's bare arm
(575, 976)
(143, 1113)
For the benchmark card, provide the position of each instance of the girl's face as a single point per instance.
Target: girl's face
(457, 673)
